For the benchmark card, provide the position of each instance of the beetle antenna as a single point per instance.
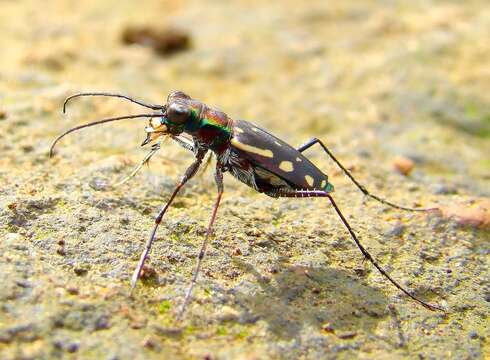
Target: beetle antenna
(98, 122)
(150, 106)
(368, 256)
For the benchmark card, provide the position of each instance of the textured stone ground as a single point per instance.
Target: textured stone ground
(282, 279)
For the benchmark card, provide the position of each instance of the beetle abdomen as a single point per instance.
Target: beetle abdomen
(270, 153)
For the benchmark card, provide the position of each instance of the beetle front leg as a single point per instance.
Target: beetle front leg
(154, 148)
(219, 183)
(190, 172)
(314, 141)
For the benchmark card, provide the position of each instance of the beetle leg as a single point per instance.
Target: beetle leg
(155, 147)
(367, 255)
(314, 141)
(219, 183)
(186, 143)
(190, 172)
(206, 163)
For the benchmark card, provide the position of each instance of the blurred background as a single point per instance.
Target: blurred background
(400, 91)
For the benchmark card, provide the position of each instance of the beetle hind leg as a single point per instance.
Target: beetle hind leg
(365, 253)
(314, 141)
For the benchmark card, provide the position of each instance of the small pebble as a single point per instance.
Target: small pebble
(148, 273)
(396, 230)
(12, 238)
(227, 314)
(72, 347)
(12, 206)
(164, 41)
(163, 331)
(403, 165)
(149, 343)
(327, 327)
(346, 335)
(98, 184)
(137, 322)
(102, 323)
(442, 189)
(23, 284)
(80, 270)
(72, 290)
(476, 215)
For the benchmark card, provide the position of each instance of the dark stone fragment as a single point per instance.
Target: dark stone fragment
(102, 323)
(80, 270)
(164, 42)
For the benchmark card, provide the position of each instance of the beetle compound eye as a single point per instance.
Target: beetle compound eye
(178, 113)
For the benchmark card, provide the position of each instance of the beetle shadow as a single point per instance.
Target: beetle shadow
(295, 297)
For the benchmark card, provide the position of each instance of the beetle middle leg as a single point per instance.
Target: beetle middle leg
(219, 183)
(314, 141)
(190, 172)
(367, 255)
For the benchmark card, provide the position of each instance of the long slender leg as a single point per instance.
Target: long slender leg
(145, 160)
(367, 255)
(314, 141)
(202, 252)
(190, 172)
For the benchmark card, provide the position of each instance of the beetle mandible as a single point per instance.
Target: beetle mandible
(249, 153)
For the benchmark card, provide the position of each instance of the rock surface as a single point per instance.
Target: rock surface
(281, 278)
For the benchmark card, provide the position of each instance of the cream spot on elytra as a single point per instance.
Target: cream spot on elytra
(238, 130)
(323, 184)
(309, 180)
(298, 159)
(251, 149)
(286, 166)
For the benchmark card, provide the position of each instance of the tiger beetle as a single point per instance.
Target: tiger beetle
(252, 155)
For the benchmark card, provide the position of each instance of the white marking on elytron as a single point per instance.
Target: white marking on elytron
(286, 166)
(238, 130)
(277, 143)
(323, 184)
(309, 180)
(251, 149)
(255, 129)
(298, 159)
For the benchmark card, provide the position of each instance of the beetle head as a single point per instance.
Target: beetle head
(177, 113)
